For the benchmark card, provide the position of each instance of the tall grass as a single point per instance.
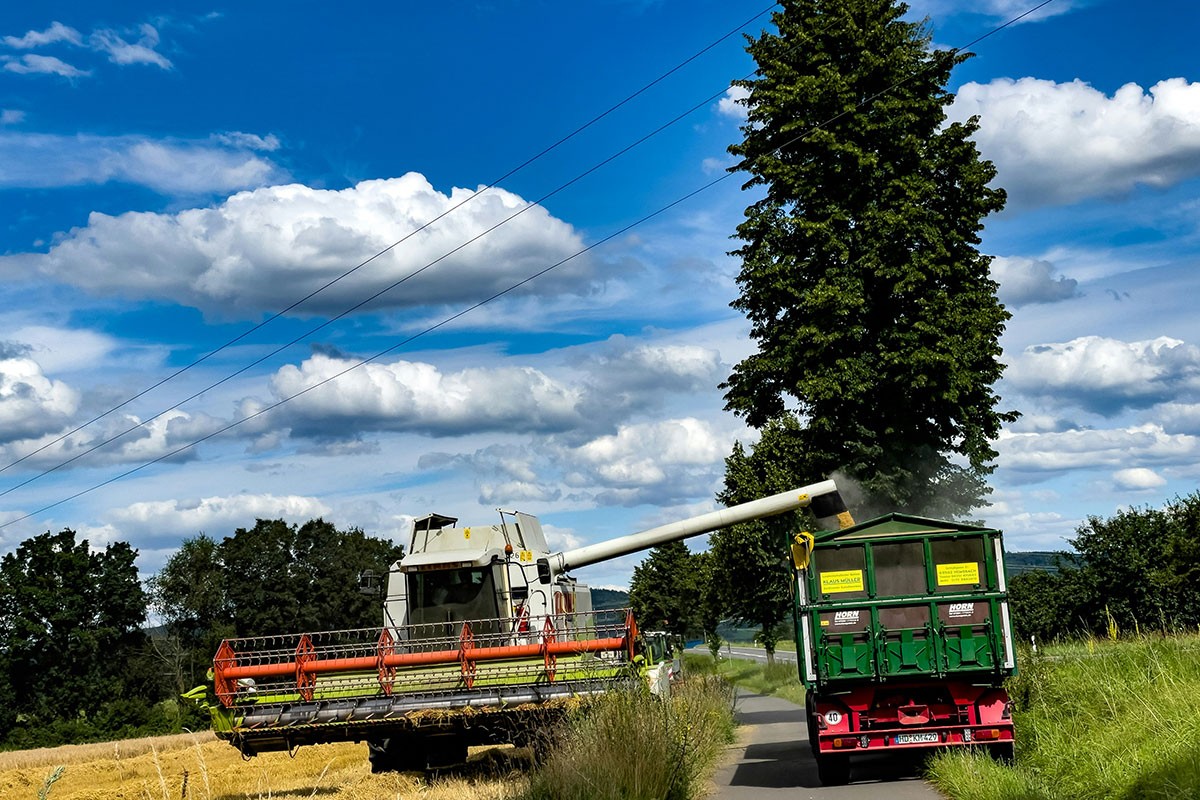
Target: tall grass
(1107, 721)
(631, 745)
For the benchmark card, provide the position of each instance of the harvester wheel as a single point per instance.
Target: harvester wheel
(833, 770)
(396, 754)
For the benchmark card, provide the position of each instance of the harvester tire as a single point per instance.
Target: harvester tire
(396, 754)
(833, 770)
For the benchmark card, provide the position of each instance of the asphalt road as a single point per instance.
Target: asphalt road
(772, 759)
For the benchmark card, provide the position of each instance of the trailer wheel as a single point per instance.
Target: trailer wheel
(810, 717)
(1002, 752)
(833, 769)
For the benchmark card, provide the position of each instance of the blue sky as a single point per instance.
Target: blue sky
(174, 175)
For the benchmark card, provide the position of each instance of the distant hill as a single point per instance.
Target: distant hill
(603, 599)
(1026, 561)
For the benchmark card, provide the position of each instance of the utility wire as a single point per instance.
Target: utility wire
(495, 182)
(704, 187)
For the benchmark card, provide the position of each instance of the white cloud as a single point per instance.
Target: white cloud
(1084, 449)
(1025, 281)
(647, 454)
(1106, 375)
(733, 103)
(57, 32)
(34, 64)
(30, 403)
(248, 141)
(237, 257)
(116, 439)
(1064, 142)
(404, 395)
(59, 350)
(122, 52)
(1138, 478)
(38, 160)
(1000, 10)
(11, 116)
(189, 517)
(641, 368)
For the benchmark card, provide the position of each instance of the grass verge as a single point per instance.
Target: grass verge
(779, 679)
(632, 745)
(1105, 721)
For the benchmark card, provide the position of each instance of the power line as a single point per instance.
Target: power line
(705, 187)
(495, 182)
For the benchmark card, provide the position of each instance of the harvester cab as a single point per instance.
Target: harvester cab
(497, 573)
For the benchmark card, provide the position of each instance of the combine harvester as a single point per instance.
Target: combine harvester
(485, 640)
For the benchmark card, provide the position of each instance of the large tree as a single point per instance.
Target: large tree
(282, 578)
(665, 591)
(875, 317)
(70, 627)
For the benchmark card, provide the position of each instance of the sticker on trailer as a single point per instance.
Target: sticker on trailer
(960, 610)
(525, 556)
(833, 717)
(846, 618)
(957, 574)
(846, 580)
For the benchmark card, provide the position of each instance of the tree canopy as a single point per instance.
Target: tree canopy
(875, 318)
(70, 629)
(1138, 570)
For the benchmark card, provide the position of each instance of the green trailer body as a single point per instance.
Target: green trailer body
(904, 637)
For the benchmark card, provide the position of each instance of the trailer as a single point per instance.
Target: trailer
(485, 639)
(905, 639)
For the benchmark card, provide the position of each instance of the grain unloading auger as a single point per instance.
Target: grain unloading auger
(485, 638)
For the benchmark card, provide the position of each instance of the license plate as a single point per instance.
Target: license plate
(916, 738)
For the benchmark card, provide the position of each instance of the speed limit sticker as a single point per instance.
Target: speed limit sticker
(833, 717)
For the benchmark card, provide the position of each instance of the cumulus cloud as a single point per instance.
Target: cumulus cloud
(1082, 449)
(11, 116)
(34, 64)
(1137, 479)
(1107, 375)
(117, 439)
(733, 103)
(635, 378)
(31, 404)
(39, 160)
(665, 461)
(233, 258)
(1059, 143)
(217, 513)
(1026, 281)
(409, 396)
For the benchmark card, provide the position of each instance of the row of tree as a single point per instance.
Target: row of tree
(78, 662)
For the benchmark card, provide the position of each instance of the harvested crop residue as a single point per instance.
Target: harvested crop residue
(198, 767)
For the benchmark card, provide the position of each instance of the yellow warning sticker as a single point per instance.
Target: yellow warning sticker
(525, 556)
(466, 533)
(846, 580)
(957, 574)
